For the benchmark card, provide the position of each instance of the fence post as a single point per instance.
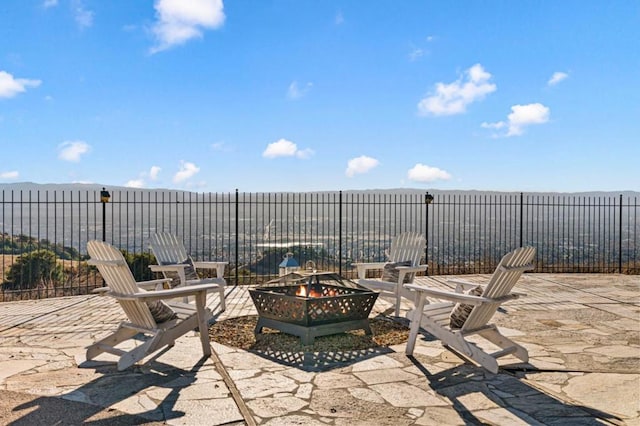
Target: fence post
(340, 233)
(620, 237)
(428, 199)
(521, 216)
(104, 199)
(237, 256)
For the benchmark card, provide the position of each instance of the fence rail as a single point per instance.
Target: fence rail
(466, 233)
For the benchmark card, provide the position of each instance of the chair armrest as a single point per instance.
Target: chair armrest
(101, 290)
(459, 297)
(410, 269)
(364, 267)
(463, 285)
(168, 268)
(218, 266)
(153, 283)
(166, 294)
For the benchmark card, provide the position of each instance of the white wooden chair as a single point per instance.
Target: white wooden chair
(175, 263)
(138, 305)
(436, 318)
(406, 249)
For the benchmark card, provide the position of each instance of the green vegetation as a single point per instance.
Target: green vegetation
(20, 244)
(37, 269)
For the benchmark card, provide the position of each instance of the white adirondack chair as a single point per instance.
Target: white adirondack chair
(135, 301)
(175, 263)
(405, 248)
(435, 318)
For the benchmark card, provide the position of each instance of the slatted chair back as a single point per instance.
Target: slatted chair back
(118, 277)
(168, 249)
(407, 246)
(506, 275)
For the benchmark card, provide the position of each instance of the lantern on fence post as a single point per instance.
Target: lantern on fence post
(104, 199)
(288, 265)
(428, 199)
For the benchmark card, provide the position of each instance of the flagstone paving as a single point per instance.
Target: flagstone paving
(582, 332)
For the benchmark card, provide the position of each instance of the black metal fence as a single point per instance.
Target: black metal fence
(466, 232)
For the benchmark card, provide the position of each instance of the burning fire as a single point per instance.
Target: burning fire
(302, 292)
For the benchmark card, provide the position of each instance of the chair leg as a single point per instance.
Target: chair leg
(223, 305)
(201, 300)
(416, 318)
(493, 335)
(119, 336)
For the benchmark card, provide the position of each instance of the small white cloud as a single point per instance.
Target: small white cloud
(285, 148)
(521, 116)
(180, 21)
(360, 165)
(49, 3)
(453, 98)
(10, 86)
(72, 150)
(423, 173)
(135, 183)
(187, 170)
(296, 92)
(339, 20)
(83, 17)
(9, 175)
(153, 172)
(416, 54)
(557, 77)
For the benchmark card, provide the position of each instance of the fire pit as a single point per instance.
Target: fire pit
(316, 304)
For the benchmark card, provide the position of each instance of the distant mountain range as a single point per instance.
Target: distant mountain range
(89, 187)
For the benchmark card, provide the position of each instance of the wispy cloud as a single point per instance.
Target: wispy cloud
(453, 98)
(186, 172)
(9, 175)
(11, 86)
(339, 19)
(556, 78)
(423, 173)
(285, 148)
(521, 116)
(135, 183)
(179, 21)
(153, 172)
(296, 92)
(49, 3)
(72, 150)
(83, 17)
(360, 165)
(415, 54)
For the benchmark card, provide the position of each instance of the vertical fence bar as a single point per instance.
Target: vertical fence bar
(620, 237)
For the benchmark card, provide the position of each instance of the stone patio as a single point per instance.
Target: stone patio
(582, 332)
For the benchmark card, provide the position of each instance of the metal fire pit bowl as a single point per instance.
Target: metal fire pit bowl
(338, 305)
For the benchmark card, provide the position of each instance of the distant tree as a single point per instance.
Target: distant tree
(36, 269)
(139, 264)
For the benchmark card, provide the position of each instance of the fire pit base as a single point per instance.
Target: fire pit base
(326, 304)
(307, 334)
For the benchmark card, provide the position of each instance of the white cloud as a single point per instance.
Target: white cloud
(423, 173)
(72, 150)
(521, 116)
(83, 17)
(415, 54)
(49, 3)
(187, 170)
(135, 183)
(153, 172)
(285, 148)
(10, 86)
(453, 98)
(180, 21)
(9, 175)
(296, 92)
(557, 77)
(360, 165)
(339, 20)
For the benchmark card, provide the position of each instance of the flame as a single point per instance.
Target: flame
(302, 292)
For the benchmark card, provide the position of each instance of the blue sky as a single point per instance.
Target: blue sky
(305, 95)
